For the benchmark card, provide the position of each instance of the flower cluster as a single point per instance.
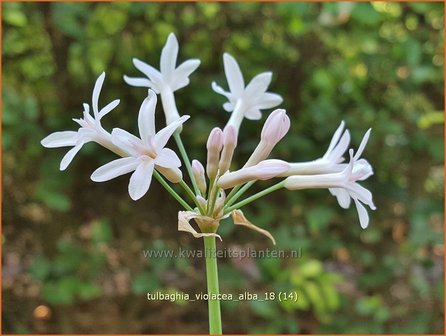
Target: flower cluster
(216, 184)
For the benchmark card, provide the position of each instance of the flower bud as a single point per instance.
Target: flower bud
(198, 171)
(214, 146)
(229, 144)
(174, 175)
(202, 201)
(219, 204)
(274, 129)
(264, 170)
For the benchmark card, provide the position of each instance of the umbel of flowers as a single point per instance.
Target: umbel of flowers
(217, 184)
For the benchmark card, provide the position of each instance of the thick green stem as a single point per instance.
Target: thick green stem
(255, 197)
(210, 251)
(171, 191)
(186, 162)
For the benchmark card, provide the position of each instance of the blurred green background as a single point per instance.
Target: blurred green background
(72, 249)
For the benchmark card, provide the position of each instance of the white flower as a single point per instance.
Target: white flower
(245, 102)
(330, 162)
(146, 152)
(90, 130)
(169, 79)
(343, 185)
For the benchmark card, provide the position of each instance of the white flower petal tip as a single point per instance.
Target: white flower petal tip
(169, 77)
(239, 219)
(184, 217)
(245, 102)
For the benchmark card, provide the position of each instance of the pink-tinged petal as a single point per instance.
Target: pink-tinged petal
(258, 85)
(125, 140)
(174, 175)
(146, 117)
(181, 74)
(114, 169)
(148, 70)
(363, 144)
(139, 82)
(362, 213)
(160, 139)
(233, 75)
(108, 108)
(169, 57)
(96, 93)
(60, 139)
(70, 156)
(268, 169)
(140, 179)
(269, 100)
(167, 158)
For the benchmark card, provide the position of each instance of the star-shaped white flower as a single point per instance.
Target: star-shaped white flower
(146, 153)
(343, 184)
(90, 130)
(168, 79)
(245, 102)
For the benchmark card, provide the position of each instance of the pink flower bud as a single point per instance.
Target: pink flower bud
(274, 129)
(214, 146)
(198, 171)
(229, 144)
(265, 170)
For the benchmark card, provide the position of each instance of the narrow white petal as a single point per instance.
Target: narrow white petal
(139, 82)
(86, 108)
(108, 108)
(258, 85)
(362, 144)
(146, 117)
(60, 139)
(233, 75)
(334, 140)
(96, 93)
(169, 57)
(269, 100)
(228, 107)
(153, 74)
(362, 213)
(70, 156)
(181, 74)
(253, 113)
(125, 140)
(140, 180)
(336, 154)
(361, 193)
(167, 158)
(160, 139)
(217, 88)
(342, 196)
(114, 169)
